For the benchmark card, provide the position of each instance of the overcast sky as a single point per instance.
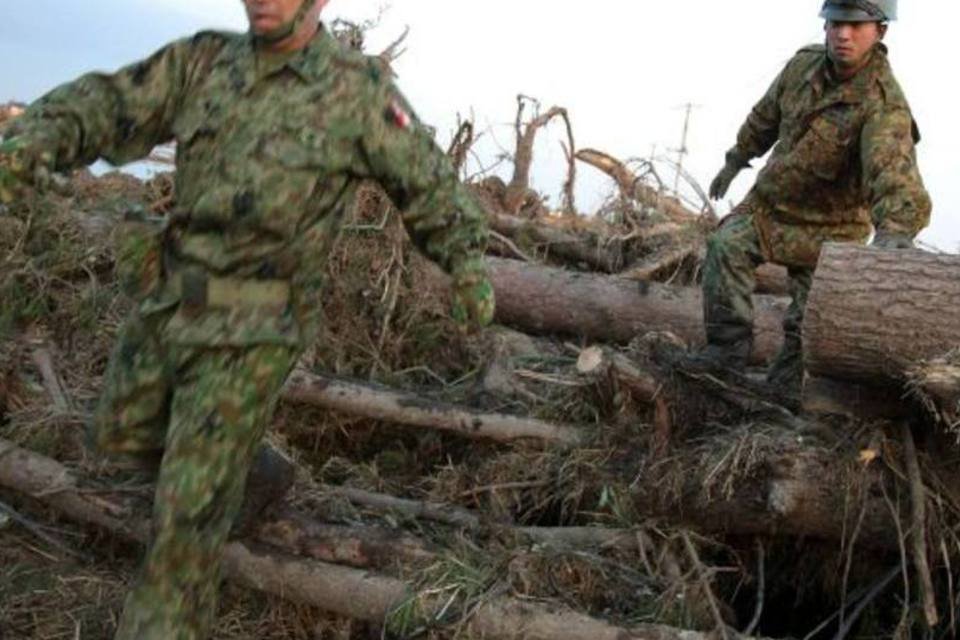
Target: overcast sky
(622, 69)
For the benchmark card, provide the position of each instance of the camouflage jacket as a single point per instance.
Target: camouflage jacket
(269, 155)
(844, 158)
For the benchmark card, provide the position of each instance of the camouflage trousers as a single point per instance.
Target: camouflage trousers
(206, 409)
(733, 254)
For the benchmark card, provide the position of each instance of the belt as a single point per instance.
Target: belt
(200, 291)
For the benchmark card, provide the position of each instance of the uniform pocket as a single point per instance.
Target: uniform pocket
(298, 144)
(824, 151)
(138, 254)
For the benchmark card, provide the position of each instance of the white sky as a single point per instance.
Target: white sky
(622, 68)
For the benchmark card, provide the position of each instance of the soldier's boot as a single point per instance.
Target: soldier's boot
(786, 370)
(270, 477)
(718, 357)
(728, 349)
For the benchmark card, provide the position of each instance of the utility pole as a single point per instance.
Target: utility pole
(682, 151)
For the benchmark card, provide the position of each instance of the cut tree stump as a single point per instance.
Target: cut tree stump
(545, 300)
(872, 315)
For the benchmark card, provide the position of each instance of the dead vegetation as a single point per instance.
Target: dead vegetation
(540, 480)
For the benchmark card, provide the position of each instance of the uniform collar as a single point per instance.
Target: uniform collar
(853, 90)
(312, 62)
(308, 64)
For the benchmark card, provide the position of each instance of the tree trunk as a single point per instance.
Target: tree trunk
(872, 314)
(795, 490)
(538, 299)
(401, 407)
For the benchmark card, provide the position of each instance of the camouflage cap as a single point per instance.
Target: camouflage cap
(859, 10)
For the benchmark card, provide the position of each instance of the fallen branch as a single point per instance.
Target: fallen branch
(579, 249)
(400, 407)
(359, 547)
(51, 381)
(668, 260)
(706, 589)
(918, 529)
(37, 531)
(567, 537)
(414, 509)
(460, 146)
(341, 590)
(632, 188)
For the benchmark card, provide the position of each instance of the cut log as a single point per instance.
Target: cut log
(400, 407)
(545, 300)
(872, 315)
(341, 590)
(602, 362)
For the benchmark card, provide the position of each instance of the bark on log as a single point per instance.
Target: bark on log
(545, 300)
(799, 491)
(359, 547)
(568, 246)
(382, 403)
(873, 314)
(341, 590)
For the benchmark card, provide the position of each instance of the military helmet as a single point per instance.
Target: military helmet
(859, 10)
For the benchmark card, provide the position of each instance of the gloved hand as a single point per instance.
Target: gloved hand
(473, 300)
(891, 240)
(720, 184)
(10, 183)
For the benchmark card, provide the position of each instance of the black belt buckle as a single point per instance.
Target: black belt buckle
(193, 291)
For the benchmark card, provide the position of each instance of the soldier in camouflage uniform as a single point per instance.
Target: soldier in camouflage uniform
(274, 131)
(844, 159)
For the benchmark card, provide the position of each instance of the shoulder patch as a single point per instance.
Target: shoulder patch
(398, 115)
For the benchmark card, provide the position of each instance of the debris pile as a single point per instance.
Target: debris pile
(560, 475)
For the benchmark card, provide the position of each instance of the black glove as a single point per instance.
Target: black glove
(720, 184)
(891, 240)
